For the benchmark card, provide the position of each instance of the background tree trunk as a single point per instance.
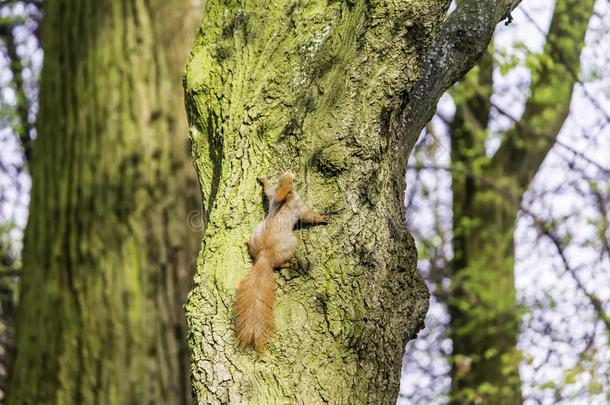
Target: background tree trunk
(485, 318)
(482, 302)
(107, 256)
(338, 92)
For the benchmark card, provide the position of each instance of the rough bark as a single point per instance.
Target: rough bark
(320, 88)
(486, 200)
(107, 256)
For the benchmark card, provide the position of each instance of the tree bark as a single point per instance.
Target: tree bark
(107, 255)
(330, 90)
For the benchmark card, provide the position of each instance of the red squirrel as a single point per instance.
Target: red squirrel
(272, 245)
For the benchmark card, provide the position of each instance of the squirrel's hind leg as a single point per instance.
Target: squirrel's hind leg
(288, 263)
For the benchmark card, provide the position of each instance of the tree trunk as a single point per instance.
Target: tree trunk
(485, 318)
(107, 257)
(332, 91)
(482, 303)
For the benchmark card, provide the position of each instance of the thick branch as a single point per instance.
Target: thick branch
(550, 93)
(461, 41)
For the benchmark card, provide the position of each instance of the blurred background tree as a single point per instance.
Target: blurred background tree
(108, 255)
(479, 190)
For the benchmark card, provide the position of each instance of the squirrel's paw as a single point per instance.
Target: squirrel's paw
(262, 179)
(288, 263)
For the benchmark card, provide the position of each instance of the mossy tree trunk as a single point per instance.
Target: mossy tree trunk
(485, 318)
(338, 93)
(482, 303)
(108, 255)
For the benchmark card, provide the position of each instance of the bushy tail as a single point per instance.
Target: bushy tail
(254, 302)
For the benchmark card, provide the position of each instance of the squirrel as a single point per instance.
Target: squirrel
(272, 245)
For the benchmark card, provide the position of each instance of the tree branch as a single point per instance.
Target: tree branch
(521, 127)
(510, 196)
(595, 302)
(461, 41)
(574, 73)
(550, 93)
